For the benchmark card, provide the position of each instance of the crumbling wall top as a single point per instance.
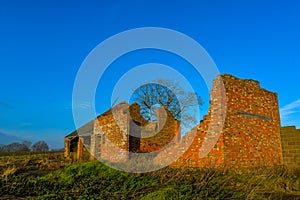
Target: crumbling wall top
(248, 82)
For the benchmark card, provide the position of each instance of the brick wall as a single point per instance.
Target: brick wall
(252, 126)
(290, 138)
(110, 139)
(250, 135)
(121, 130)
(201, 147)
(241, 129)
(158, 134)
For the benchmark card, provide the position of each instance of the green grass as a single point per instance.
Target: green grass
(93, 180)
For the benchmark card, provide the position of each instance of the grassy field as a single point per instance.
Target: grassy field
(52, 177)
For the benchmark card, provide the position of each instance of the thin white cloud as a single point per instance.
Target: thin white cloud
(85, 105)
(290, 114)
(288, 110)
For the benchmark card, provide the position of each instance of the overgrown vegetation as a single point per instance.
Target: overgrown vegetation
(45, 178)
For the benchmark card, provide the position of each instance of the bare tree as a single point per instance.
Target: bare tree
(169, 95)
(14, 147)
(27, 143)
(40, 146)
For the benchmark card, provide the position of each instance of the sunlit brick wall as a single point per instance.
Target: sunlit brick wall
(120, 130)
(163, 132)
(290, 138)
(252, 128)
(251, 133)
(111, 140)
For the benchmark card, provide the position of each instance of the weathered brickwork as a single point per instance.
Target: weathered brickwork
(290, 138)
(73, 143)
(252, 127)
(122, 130)
(67, 149)
(250, 135)
(242, 129)
(160, 133)
(110, 137)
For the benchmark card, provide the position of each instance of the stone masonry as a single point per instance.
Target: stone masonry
(242, 129)
(250, 135)
(290, 138)
(122, 130)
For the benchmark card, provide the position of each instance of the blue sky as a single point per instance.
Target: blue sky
(43, 43)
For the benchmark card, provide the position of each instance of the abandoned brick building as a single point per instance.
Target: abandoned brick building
(121, 130)
(242, 129)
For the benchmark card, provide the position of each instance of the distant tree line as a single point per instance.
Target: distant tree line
(25, 147)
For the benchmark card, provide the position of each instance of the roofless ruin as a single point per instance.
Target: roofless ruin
(242, 129)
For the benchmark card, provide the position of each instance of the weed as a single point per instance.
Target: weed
(9, 171)
(94, 180)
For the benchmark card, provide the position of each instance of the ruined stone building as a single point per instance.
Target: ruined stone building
(244, 119)
(242, 129)
(120, 130)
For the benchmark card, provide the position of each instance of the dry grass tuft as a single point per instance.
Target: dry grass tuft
(11, 170)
